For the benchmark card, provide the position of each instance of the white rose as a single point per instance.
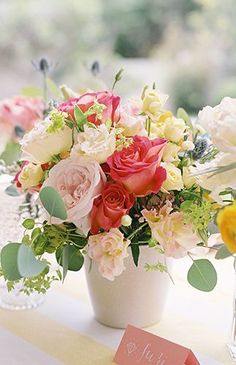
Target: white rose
(171, 152)
(174, 179)
(30, 176)
(79, 181)
(219, 182)
(39, 145)
(95, 143)
(174, 129)
(220, 123)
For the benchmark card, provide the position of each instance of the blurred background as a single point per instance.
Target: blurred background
(188, 47)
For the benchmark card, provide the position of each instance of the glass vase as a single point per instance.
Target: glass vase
(13, 211)
(232, 343)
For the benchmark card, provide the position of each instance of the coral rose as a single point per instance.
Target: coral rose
(137, 167)
(86, 101)
(110, 207)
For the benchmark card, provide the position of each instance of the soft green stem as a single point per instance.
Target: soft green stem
(136, 231)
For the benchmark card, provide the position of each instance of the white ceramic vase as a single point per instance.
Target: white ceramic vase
(136, 297)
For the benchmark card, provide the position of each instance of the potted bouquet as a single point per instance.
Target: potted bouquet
(115, 183)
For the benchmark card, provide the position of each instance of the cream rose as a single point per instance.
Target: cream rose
(97, 143)
(220, 124)
(109, 249)
(188, 179)
(174, 179)
(79, 181)
(219, 182)
(30, 176)
(171, 152)
(40, 145)
(174, 129)
(153, 102)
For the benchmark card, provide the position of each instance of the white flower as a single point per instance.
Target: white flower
(79, 181)
(96, 143)
(109, 249)
(219, 182)
(188, 179)
(174, 179)
(39, 145)
(220, 123)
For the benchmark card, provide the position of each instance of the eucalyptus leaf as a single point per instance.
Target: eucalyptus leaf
(9, 255)
(223, 253)
(75, 258)
(65, 261)
(135, 253)
(202, 275)
(11, 153)
(53, 203)
(12, 190)
(27, 263)
(28, 223)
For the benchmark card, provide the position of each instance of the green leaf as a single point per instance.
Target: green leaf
(27, 263)
(78, 113)
(31, 91)
(181, 113)
(12, 190)
(11, 153)
(135, 253)
(65, 261)
(75, 258)
(53, 203)
(28, 223)
(9, 261)
(222, 253)
(202, 275)
(53, 88)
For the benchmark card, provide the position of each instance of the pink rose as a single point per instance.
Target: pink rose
(170, 231)
(138, 166)
(131, 121)
(110, 207)
(108, 249)
(85, 101)
(79, 181)
(21, 111)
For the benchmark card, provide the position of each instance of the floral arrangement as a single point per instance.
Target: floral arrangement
(112, 177)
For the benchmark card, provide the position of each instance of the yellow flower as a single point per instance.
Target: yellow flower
(174, 179)
(188, 179)
(170, 153)
(226, 221)
(153, 101)
(175, 129)
(30, 176)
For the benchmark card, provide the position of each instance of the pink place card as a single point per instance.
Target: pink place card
(143, 348)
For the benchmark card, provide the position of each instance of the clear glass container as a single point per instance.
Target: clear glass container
(13, 210)
(232, 343)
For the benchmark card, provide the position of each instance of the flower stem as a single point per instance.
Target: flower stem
(136, 231)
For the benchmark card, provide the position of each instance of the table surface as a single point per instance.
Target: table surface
(63, 330)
